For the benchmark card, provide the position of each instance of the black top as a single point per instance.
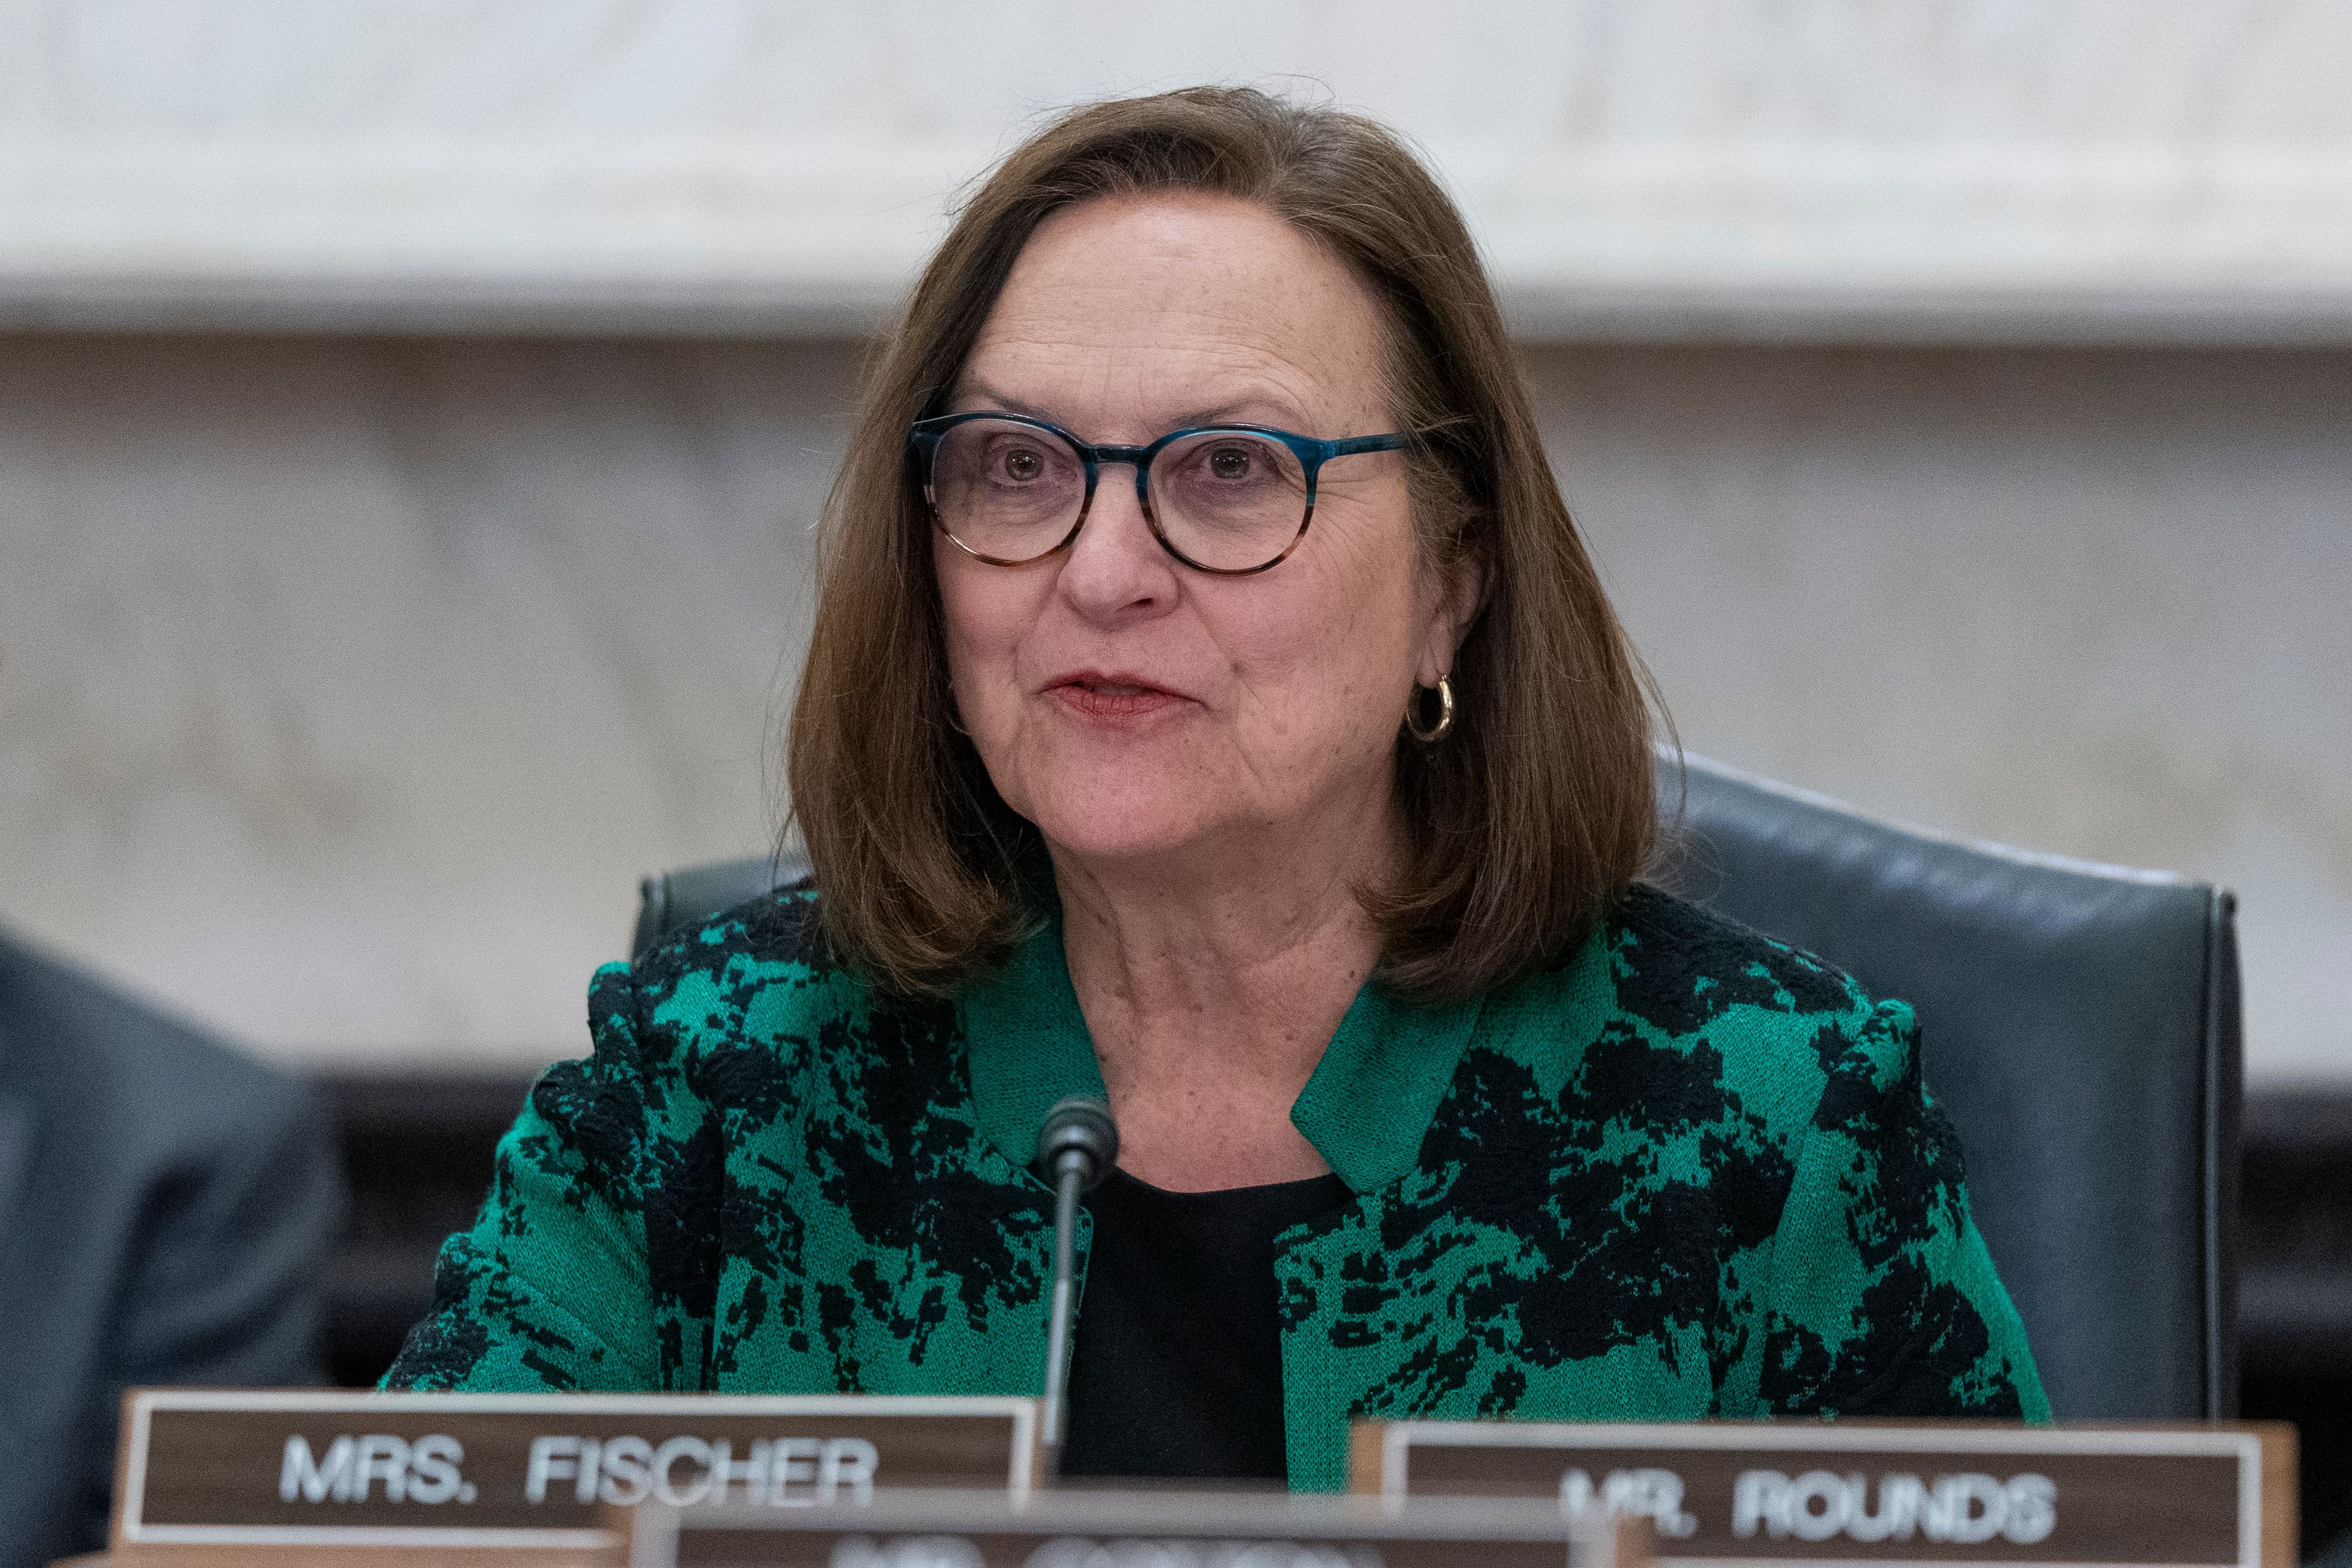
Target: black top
(1178, 1365)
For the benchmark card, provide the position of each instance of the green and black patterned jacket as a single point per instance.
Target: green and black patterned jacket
(1690, 1173)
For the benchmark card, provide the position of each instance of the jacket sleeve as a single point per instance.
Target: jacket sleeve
(227, 1265)
(234, 1223)
(550, 1290)
(1883, 1299)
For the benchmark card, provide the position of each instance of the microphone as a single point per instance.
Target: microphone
(1077, 1148)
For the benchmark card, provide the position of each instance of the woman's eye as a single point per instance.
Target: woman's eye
(1021, 464)
(1229, 463)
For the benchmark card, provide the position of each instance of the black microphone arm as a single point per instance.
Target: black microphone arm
(1077, 1148)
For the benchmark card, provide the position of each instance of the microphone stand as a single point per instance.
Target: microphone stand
(1077, 1148)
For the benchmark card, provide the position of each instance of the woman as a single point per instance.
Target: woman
(1211, 706)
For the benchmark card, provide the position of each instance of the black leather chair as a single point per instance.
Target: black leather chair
(2081, 1028)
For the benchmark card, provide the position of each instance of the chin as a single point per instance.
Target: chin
(1122, 824)
(1135, 799)
(1091, 836)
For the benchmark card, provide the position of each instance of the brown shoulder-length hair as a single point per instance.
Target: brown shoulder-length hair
(1523, 822)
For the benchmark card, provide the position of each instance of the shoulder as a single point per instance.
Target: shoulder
(1682, 969)
(774, 936)
(749, 1008)
(133, 1082)
(1668, 998)
(1774, 1012)
(759, 969)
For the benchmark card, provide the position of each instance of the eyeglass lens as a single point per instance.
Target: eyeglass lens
(1225, 500)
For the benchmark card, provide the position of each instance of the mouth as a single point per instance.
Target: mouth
(1115, 696)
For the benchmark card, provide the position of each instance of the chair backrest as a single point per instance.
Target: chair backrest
(2081, 1029)
(681, 900)
(2080, 1026)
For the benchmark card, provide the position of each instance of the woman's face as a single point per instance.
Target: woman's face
(1125, 704)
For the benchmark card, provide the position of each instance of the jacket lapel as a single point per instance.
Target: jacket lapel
(1372, 1097)
(1026, 1044)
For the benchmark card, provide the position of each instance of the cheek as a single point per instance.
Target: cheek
(1330, 657)
(983, 611)
(1374, 600)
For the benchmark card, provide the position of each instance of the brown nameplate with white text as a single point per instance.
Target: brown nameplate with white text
(210, 1476)
(1168, 1529)
(1849, 1492)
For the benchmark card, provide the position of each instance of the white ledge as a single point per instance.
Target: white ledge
(1813, 242)
(1547, 310)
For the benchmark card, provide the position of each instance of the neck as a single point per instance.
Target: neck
(1212, 984)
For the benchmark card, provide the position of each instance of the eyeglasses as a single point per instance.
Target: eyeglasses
(1226, 499)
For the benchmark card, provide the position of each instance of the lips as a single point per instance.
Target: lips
(1112, 696)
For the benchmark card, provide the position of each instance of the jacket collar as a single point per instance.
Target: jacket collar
(1365, 1109)
(1376, 1090)
(1027, 1045)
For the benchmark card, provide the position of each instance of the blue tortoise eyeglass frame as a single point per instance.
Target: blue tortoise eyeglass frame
(924, 436)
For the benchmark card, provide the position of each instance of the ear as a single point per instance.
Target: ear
(1460, 598)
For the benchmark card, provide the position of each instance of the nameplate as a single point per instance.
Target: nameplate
(1087, 1529)
(538, 1472)
(1880, 1492)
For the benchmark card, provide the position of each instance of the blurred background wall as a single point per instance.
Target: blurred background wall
(412, 418)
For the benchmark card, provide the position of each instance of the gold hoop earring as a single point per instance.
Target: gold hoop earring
(1436, 731)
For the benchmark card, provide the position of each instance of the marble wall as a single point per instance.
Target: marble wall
(347, 684)
(348, 678)
(2089, 603)
(346, 688)
(2033, 170)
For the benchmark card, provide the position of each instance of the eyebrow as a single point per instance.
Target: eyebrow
(1228, 413)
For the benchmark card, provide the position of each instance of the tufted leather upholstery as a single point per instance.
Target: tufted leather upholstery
(2079, 1025)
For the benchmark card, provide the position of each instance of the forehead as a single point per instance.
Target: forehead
(1147, 311)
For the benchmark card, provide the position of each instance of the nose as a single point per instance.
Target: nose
(1115, 568)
